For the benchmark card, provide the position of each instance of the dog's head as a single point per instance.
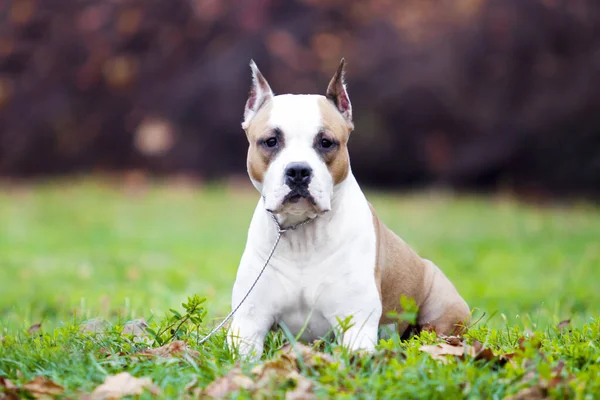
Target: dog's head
(298, 145)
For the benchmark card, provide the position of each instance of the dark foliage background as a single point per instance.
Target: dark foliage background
(468, 93)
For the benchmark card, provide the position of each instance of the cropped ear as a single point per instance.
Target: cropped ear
(260, 93)
(336, 92)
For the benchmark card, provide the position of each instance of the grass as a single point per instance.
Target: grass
(74, 251)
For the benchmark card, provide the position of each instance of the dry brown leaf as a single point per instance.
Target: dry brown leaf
(284, 366)
(223, 386)
(563, 325)
(34, 328)
(9, 395)
(9, 391)
(43, 387)
(276, 367)
(136, 328)
(558, 376)
(302, 391)
(96, 325)
(539, 390)
(509, 357)
(360, 357)
(123, 384)
(279, 370)
(453, 340)
(170, 350)
(7, 384)
(441, 350)
(530, 393)
(531, 339)
(298, 353)
(459, 349)
(482, 353)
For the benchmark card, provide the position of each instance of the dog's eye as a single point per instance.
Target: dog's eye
(326, 143)
(271, 142)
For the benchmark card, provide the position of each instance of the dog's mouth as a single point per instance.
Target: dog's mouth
(296, 194)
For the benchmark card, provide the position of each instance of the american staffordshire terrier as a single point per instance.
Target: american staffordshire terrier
(343, 262)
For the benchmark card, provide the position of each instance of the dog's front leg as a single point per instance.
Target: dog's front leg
(247, 335)
(361, 337)
(256, 313)
(357, 319)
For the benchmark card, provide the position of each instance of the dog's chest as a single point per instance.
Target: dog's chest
(301, 313)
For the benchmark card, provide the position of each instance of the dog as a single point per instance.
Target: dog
(342, 262)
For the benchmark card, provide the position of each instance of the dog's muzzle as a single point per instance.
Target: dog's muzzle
(297, 177)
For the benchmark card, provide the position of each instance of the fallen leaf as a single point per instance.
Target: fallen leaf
(123, 384)
(563, 325)
(302, 391)
(9, 396)
(482, 353)
(509, 357)
(276, 366)
(460, 349)
(43, 387)
(441, 350)
(34, 328)
(529, 376)
(530, 393)
(539, 389)
(232, 382)
(453, 340)
(281, 372)
(284, 367)
(96, 325)
(7, 384)
(170, 350)
(299, 353)
(136, 328)
(8, 390)
(530, 340)
(359, 358)
(459, 329)
(559, 375)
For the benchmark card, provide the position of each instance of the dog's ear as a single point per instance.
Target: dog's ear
(260, 93)
(337, 94)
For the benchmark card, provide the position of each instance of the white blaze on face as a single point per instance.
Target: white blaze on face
(308, 129)
(299, 119)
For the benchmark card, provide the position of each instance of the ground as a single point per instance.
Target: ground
(75, 251)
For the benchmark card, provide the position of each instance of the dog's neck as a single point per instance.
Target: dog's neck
(323, 231)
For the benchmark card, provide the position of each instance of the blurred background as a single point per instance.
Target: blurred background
(123, 184)
(469, 94)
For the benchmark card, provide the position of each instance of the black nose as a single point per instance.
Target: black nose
(298, 173)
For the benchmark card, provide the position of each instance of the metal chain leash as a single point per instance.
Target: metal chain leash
(280, 232)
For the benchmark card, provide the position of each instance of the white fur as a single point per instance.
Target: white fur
(299, 118)
(320, 272)
(324, 270)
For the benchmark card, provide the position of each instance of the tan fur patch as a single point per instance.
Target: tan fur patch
(258, 158)
(336, 127)
(400, 271)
